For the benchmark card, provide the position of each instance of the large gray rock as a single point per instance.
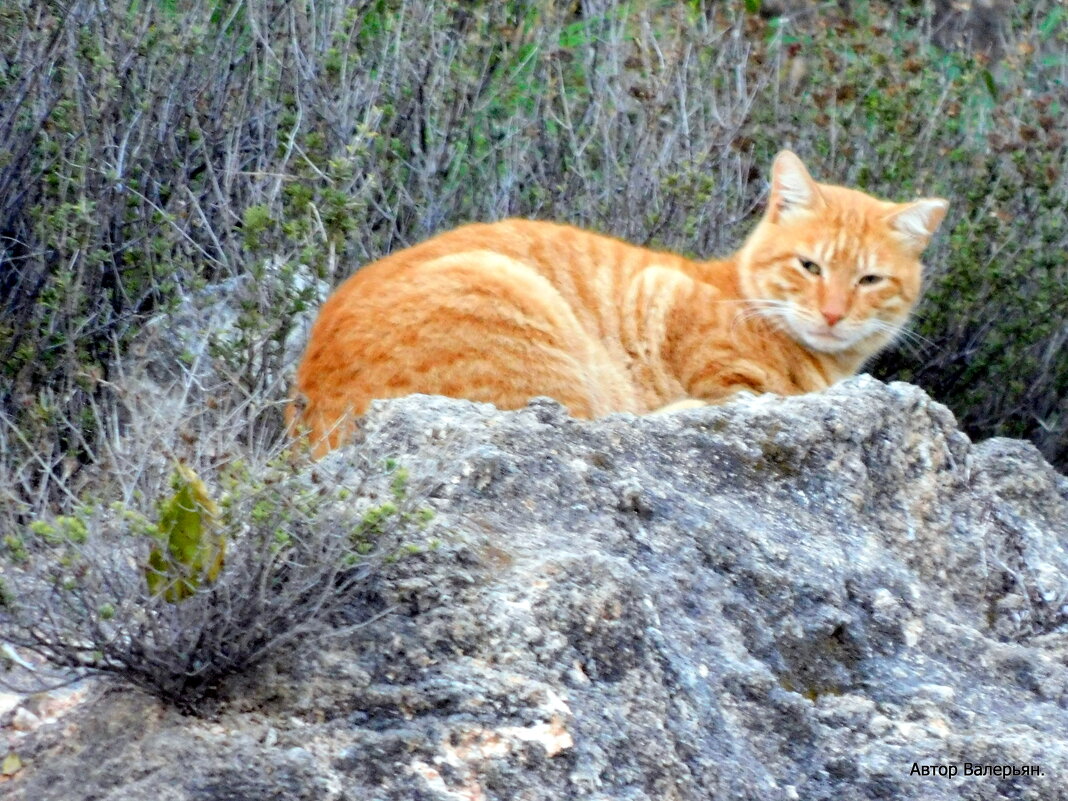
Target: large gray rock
(834, 596)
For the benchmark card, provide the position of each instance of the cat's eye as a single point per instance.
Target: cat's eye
(868, 280)
(811, 266)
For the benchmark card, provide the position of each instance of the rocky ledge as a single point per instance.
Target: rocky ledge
(834, 596)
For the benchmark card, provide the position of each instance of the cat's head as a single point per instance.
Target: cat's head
(834, 268)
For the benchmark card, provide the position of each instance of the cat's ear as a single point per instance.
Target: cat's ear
(792, 188)
(916, 222)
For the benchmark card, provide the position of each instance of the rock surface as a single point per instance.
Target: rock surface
(806, 598)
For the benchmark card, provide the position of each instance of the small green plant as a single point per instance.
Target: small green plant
(399, 485)
(191, 549)
(399, 513)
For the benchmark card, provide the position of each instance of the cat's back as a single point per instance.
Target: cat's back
(566, 256)
(485, 274)
(527, 272)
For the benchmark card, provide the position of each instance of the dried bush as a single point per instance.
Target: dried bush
(300, 546)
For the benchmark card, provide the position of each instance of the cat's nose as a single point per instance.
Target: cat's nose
(832, 316)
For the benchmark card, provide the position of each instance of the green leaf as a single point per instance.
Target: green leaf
(752, 6)
(191, 549)
(1051, 22)
(988, 80)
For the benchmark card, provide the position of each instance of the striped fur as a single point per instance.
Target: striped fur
(507, 311)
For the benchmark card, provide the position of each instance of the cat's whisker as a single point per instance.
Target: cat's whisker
(773, 311)
(753, 301)
(919, 339)
(749, 314)
(766, 307)
(903, 334)
(917, 345)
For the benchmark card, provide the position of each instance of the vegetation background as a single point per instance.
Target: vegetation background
(182, 181)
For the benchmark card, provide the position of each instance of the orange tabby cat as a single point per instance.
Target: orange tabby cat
(510, 310)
